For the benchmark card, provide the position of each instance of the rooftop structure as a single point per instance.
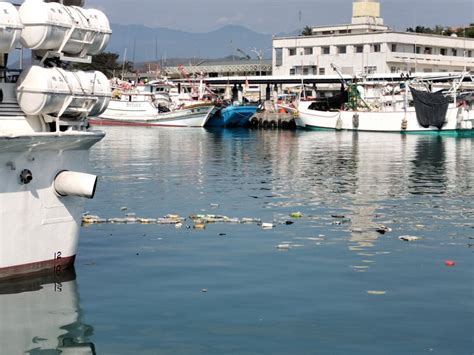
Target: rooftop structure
(214, 69)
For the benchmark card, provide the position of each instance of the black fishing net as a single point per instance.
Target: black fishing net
(431, 108)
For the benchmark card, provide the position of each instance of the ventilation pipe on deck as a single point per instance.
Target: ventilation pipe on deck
(71, 183)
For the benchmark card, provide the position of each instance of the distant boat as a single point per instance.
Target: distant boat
(142, 109)
(233, 116)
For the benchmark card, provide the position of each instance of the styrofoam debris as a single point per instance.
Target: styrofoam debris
(409, 238)
(377, 293)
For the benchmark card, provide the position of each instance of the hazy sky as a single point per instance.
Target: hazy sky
(274, 16)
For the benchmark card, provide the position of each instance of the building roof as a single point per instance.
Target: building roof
(224, 67)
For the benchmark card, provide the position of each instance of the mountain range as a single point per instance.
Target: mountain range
(141, 44)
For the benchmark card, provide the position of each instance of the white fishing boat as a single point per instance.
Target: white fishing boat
(142, 108)
(44, 135)
(409, 111)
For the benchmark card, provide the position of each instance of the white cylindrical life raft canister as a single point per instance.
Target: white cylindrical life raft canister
(71, 29)
(10, 27)
(53, 90)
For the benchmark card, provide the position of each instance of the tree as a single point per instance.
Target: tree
(467, 31)
(107, 63)
(307, 31)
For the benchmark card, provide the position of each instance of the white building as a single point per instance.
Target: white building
(368, 46)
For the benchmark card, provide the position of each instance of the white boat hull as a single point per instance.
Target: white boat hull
(457, 119)
(144, 113)
(38, 228)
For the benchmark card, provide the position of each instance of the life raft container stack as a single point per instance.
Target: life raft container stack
(57, 32)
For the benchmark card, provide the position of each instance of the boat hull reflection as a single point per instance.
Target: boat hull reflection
(42, 314)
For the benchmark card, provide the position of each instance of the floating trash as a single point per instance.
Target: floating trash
(251, 220)
(449, 263)
(383, 229)
(296, 215)
(409, 238)
(199, 226)
(209, 218)
(131, 218)
(174, 219)
(377, 293)
(283, 246)
(117, 220)
(146, 220)
(88, 219)
(268, 225)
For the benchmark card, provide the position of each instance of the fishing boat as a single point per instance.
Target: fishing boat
(236, 115)
(44, 134)
(408, 110)
(143, 106)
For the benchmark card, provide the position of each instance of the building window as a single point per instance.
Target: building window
(291, 51)
(305, 71)
(377, 47)
(442, 51)
(342, 49)
(370, 70)
(469, 54)
(359, 49)
(417, 49)
(454, 52)
(292, 71)
(325, 50)
(315, 70)
(394, 47)
(308, 51)
(322, 71)
(328, 32)
(394, 69)
(428, 50)
(345, 31)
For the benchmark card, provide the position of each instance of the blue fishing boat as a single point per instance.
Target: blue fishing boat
(233, 116)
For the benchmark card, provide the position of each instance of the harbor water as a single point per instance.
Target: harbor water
(329, 275)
